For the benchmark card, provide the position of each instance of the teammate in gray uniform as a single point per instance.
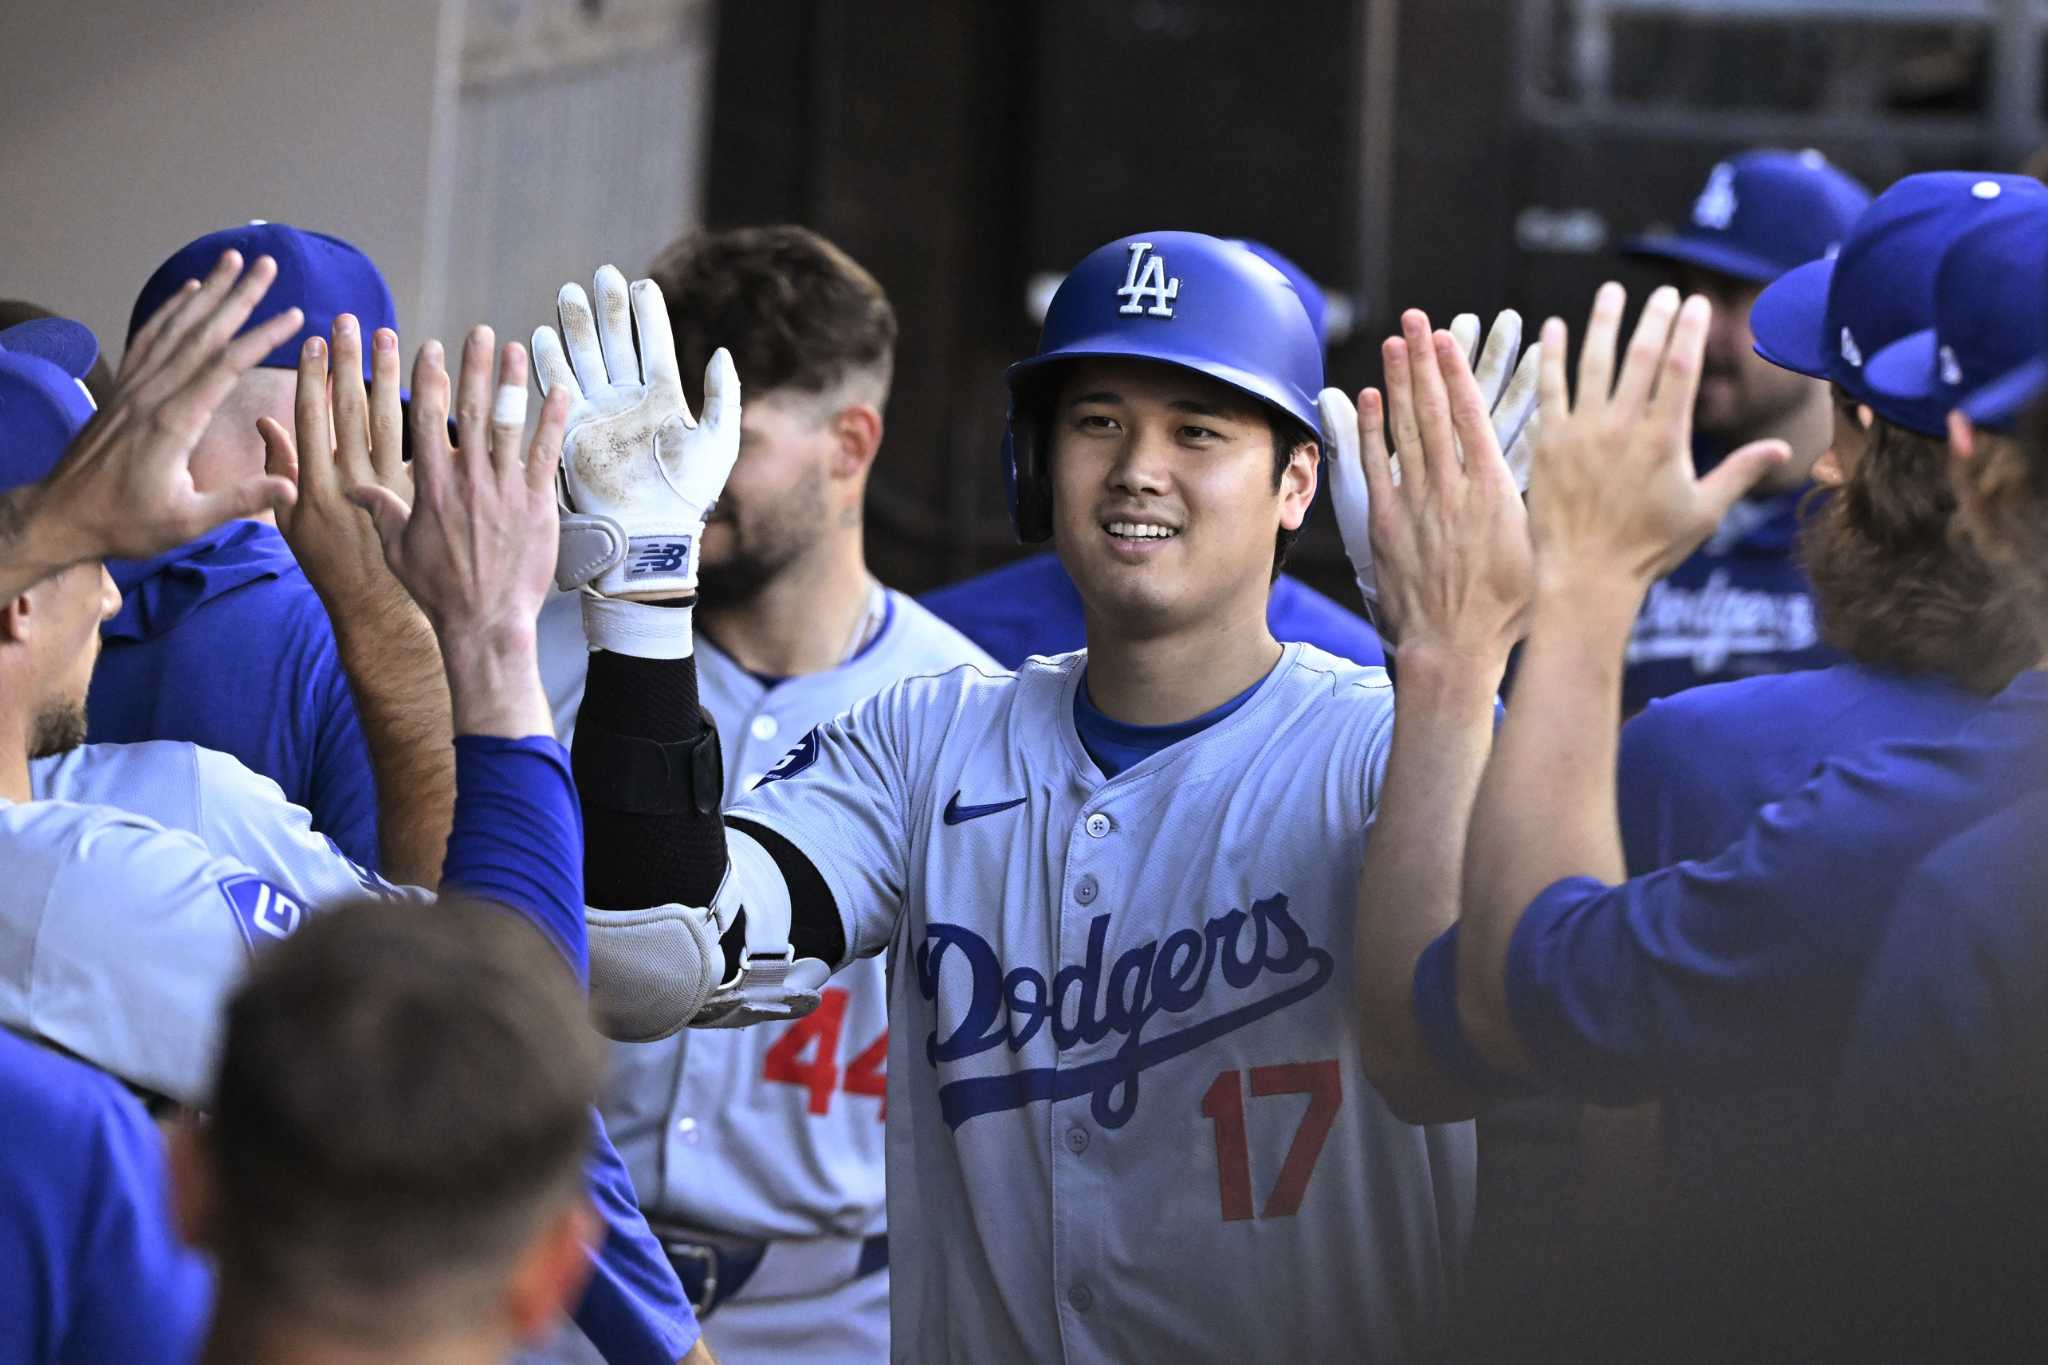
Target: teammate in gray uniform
(758, 1154)
(1129, 1116)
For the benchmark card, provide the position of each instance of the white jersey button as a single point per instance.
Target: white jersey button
(1097, 825)
(1081, 1297)
(1077, 1139)
(764, 727)
(688, 1128)
(1085, 889)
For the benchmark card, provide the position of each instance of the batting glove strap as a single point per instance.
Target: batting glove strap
(652, 970)
(645, 630)
(590, 547)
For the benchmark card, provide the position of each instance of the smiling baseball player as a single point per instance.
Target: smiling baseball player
(1128, 1119)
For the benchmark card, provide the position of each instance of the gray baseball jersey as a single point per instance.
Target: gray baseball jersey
(1128, 1116)
(202, 861)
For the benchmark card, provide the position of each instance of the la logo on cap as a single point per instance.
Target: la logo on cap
(1147, 278)
(1851, 352)
(1715, 208)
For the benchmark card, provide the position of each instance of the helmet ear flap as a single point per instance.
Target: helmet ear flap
(1028, 479)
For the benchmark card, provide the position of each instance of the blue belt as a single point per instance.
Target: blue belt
(712, 1273)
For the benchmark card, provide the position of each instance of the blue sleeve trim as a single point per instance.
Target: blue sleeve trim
(518, 836)
(1436, 1014)
(633, 1309)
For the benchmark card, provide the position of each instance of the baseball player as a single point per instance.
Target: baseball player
(1127, 1115)
(758, 1153)
(230, 613)
(188, 916)
(1715, 978)
(1739, 606)
(1032, 607)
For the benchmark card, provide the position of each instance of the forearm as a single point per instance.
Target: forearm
(1408, 888)
(1546, 808)
(397, 676)
(517, 838)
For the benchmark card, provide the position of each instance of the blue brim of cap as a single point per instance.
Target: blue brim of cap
(1790, 317)
(68, 345)
(1707, 255)
(2000, 403)
(1904, 369)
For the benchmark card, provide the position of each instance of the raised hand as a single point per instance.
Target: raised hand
(1450, 540)
(346, 438)
(1614, 497)
(639, 473)
(476, 545)
(1508, 391)
(124, 489)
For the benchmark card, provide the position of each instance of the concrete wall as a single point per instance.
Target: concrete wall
(127, 129)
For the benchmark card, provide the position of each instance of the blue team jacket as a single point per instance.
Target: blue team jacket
(223, 643)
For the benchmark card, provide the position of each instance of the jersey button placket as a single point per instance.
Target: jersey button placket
(1077, 1139)
(1098, 825)
(764, 727)
(1087, 889)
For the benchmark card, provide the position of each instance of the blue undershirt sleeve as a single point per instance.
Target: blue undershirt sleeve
(518, 836)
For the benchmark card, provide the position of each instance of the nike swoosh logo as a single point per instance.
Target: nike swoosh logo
(957, 814)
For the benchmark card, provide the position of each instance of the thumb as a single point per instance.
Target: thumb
(250, 497)
(388, 513)
(721, 391)
(1738, 473)
(280, 452)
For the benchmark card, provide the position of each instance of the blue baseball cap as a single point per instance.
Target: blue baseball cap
(1999, 404)
(320, 275)
(44, 403)
(1988, 314)
(1760, 214)
(1825, 319)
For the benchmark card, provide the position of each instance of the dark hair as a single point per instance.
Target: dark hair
(2010, 477)
(403, 1100)
(1895, 579)
(1289, 435)
(795, 311)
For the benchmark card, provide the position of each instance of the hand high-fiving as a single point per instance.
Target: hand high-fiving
(1614, 493)
(639, 473)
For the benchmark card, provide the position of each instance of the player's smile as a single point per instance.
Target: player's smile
(1136, 538)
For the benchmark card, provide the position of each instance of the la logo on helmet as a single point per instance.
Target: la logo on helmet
(1147, 278)
(1715, 208)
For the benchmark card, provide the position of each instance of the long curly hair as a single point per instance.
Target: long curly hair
(1897, 581)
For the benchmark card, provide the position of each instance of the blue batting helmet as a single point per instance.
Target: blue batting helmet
(1181, 298)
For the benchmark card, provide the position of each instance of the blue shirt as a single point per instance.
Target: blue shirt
(1696, 767)
(90, 1270)
(1031, 606)
(1954, 1016)
(1738, 607)
(1717, 977)
(223, 642)
(518, 840)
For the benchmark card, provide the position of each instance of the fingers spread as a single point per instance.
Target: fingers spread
(387, 409)
(351, 404)
(1376, 460)
(721, 390)
(1596, 351)
(1496, 363)
(615, 326)
(579, 335)
(551, 369)
(1470, 419)
(1512, 410)
(1676, 370)
(1400, 402)
(657, 340)
(544, 453)
(508, 406)
(1465, 329)
(429, 413)
(473, 395)
(164, 321)
(1646, 349)
(1552, 394)
(1426, 355)
(313, 418)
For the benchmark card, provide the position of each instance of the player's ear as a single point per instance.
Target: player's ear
(551, 1271)
(1298, 485)
(857, 436)
(195, 1190)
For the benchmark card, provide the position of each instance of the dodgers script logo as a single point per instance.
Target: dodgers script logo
(1145, 279)
(1086, 1004)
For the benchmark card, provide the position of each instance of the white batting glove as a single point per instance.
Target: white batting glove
(1510, 392)
(639, 475)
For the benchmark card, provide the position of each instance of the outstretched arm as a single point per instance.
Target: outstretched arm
(667, 884)
(1614, 503)
(1450, 545)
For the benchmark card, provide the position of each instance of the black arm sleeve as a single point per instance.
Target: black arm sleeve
(631, 859)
